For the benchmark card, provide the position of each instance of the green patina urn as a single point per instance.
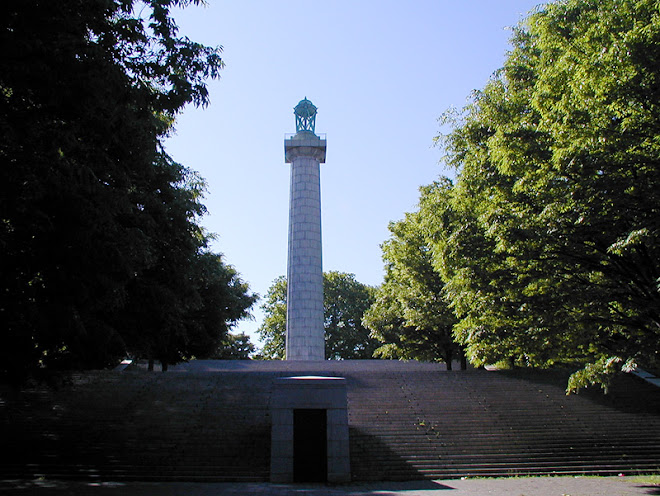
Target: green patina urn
(305, 113)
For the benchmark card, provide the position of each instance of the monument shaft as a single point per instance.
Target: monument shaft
(304, 321)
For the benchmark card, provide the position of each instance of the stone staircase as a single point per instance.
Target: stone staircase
(434, 424)
(210, 421)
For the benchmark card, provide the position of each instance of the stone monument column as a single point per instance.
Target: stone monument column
(304, 317)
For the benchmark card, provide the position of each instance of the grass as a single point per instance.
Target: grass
(647, 479)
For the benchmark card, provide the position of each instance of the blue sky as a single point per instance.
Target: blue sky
(380, 73)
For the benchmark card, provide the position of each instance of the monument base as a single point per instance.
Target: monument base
(309, 436)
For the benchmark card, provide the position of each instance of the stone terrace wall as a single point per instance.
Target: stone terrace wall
(210, 421)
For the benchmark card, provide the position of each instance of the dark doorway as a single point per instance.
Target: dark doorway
(310, 458)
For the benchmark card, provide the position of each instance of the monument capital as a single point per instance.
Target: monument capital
(304, 145)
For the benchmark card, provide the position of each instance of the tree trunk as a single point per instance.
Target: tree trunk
(463, 359)
(448, 358)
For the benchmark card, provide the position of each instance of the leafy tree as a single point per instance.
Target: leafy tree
(236, 347)
(273, 329)
(99, 226)
(385, 321)
(559, 172)
(410, 316)
(223, 300)
(344, 302)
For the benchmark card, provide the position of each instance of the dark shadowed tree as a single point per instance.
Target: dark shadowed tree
(235, 347)
(98, 225)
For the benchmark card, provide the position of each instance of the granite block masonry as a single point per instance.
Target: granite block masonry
(305, 151)
(309, 393)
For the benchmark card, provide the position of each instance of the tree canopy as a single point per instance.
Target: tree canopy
(235, 347)
(344, 301)
(103, 253)
(554, 253)
(410, 316)
(546, 248)
(272, 330)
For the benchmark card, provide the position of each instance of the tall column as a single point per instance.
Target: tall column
(304, 320)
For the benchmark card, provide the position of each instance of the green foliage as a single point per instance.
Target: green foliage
(344, 301)
(235, 347)
(555, 254)
(272, 331)
(598, 373)
(221, 300)
(410, 316)
(98, 225)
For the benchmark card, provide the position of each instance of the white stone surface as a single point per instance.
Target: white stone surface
(304, 323)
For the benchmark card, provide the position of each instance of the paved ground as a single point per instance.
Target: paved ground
(537, 486)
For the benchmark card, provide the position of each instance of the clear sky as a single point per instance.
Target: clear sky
(380, 73)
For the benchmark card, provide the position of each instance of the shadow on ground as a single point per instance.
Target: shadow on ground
(651, 490)
(77, 488)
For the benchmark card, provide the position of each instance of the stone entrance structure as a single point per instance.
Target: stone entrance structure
(309, 437)
(304, 319)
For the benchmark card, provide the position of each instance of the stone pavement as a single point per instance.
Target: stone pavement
(530, 486)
